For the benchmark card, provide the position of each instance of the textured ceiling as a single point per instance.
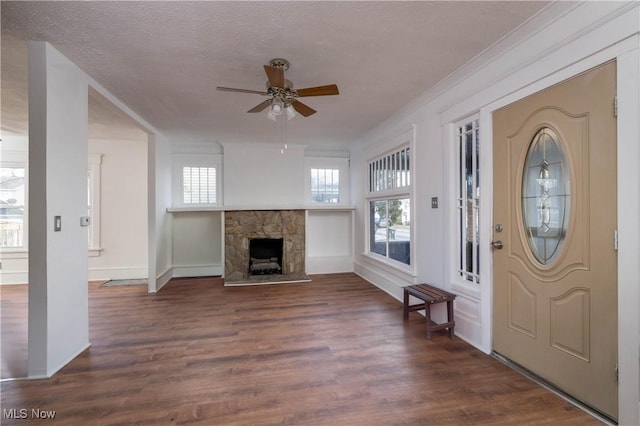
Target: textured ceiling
(165, 59)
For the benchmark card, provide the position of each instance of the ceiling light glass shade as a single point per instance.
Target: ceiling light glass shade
(288, 109)
(276, 107)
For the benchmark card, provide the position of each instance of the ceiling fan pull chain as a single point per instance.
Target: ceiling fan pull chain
(283, 130)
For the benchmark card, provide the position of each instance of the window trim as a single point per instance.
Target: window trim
(95, 171)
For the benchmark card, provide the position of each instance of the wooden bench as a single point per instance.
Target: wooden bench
(430, 295)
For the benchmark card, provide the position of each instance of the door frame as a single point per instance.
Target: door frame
(627, 55)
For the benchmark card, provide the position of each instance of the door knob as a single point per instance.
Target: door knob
(497, 245)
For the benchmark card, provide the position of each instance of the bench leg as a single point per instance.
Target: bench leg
(405, 312)
(450, 317)
(427, 314)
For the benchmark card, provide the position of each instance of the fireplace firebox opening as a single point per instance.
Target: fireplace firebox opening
(265, 256)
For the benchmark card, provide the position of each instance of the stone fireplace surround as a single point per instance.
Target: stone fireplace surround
(242, 225)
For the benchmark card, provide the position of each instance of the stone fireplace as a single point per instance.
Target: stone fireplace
(244, 226)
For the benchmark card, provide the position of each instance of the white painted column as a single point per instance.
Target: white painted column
(629, 236)
(58, 265)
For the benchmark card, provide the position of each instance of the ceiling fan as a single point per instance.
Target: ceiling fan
(282, 95)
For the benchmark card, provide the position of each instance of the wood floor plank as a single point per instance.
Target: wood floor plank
(334, 351)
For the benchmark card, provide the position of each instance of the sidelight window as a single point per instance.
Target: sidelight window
(468, 200)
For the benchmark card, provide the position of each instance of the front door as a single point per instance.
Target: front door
(554, 248)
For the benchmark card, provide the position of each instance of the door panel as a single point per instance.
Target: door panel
(555, 283)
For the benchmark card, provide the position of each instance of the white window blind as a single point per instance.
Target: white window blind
(199, 185)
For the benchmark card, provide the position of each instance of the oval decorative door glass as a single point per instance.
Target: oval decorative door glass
(546, 198)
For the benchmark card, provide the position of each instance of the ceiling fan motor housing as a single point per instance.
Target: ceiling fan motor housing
(281, 63)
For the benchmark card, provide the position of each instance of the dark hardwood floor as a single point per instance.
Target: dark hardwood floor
(334, 351)
(14, 318)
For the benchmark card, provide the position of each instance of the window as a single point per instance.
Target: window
(199, 185)
(12, 206)
(390, 206)
(546, 196)
(390, 172)
(196, 180)
(468, 200)
(390, 226)
(325, 185)
(327, 180)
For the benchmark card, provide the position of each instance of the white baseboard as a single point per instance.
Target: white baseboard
(122, 273)
(14, 277)
(50, 372)
(392, 285)
(162, 279)
(196, 271)
(95, 274)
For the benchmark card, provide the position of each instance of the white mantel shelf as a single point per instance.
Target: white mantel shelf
(311, 207)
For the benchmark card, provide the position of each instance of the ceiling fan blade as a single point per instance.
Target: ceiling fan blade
(231, 89)
(261, 106)
(275, 76)
(303, 109)
(330, 89)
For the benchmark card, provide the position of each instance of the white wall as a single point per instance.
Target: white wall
(258, 174)
(58, 293)
(124, 233)
(329, 241)
(123, 202)
(564, 40)
(160, 229)
(261, 176)
(197, 244)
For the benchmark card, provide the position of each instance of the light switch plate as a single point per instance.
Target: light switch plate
(434, 202)
(57, 223)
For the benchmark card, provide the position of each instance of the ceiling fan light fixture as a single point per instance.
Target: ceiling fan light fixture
(282, 97)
